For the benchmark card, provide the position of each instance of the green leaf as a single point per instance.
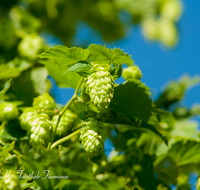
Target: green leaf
(22, 89)
(185, 152)
(100, 54)
(156, 130)
(82, 68)
(20, 64)
(186, 129)
(69, 79)
(64, 56)
(5, 88)
(120, 57)
(117, 72)
(166, 169)
(132, 99)
(39, 79)
(4, 151)
(166, 118)
(8, 72)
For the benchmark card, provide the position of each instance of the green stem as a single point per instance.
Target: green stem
(74, 97)
(64, 139)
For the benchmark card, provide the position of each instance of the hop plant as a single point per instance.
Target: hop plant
(44, 102)
(67, 121)
(132, 72)
(11, 182)
(39, 130)
(8, 111)
(93, 136)
(100, 87)
(26, 116)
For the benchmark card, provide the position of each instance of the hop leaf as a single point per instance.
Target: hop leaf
(100, 87)
(11, 182)
(67, 121)
(44, 102)
(8, 111)
(26, 116)
(39, 130)
(132, 72)
(93, 136)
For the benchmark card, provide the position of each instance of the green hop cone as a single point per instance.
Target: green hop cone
(132, 72)
(171, 9)
(11, 182)
(100, 87)
(168, 34)
(44, 102)
(31, 46)
(67, 121)
(150, 29)
(26, 116)
(93, 136)
(39, 130)
(8, 111)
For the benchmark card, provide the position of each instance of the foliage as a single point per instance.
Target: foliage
(149, 146)
(47, 146)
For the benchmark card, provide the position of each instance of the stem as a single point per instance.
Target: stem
(74, 97)
(3, 123)
(79, 84)
(64, 139)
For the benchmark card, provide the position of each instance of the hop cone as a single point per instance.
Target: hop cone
(8, 111)
(150, 29)
(39, 130)
(93, 136)
(132, 72)
(100, 87)
(30, 46)
(168, 33)
(67, 121)
(26, 116)
(44, 102)
(11, 182)
(171, 9)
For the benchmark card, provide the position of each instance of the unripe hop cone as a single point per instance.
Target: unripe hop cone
(100, 87)
(39, 130)
(26, 116)
(8, 111)
(44, 102)
(132, 72)
(171, 9)
(67, 121)
(93, 136)
(31, 46)
(168, 34)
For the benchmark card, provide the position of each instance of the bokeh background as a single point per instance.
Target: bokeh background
(164, 47)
